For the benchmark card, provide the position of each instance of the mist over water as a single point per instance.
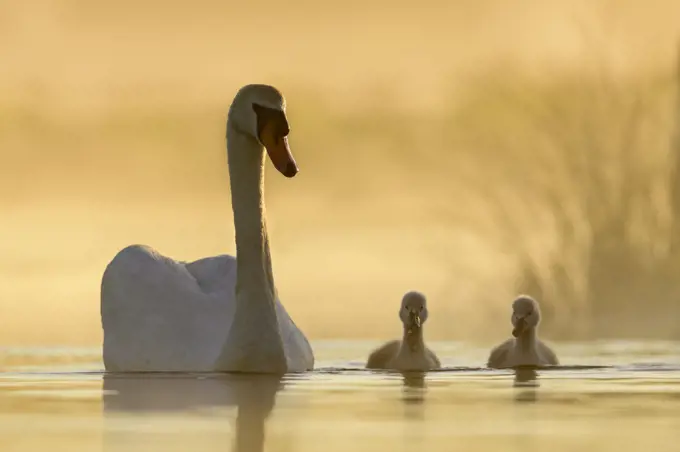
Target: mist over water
(469, 150)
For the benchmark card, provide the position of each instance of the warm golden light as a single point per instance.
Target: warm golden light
(469, 150)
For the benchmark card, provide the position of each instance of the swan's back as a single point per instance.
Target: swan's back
(156, 317)
(162, 315)
(213, 274)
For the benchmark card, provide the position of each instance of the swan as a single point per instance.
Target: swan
(220, 313)
(524, 349)
(410, 353)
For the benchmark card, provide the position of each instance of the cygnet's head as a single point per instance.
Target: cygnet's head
(259, 111)
(525, 314)
(413, 312)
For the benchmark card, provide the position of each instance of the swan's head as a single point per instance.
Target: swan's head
(525, 314)
(260, 112)
(413, 312)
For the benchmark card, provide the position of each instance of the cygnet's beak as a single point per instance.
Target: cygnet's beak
(520, 326)
(414, 320)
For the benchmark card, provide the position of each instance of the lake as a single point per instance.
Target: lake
(607, 396)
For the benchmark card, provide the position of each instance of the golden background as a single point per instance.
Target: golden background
(467, 149)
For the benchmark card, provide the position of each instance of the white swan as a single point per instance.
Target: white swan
(524, 349)
(410, 353)
(219, 313)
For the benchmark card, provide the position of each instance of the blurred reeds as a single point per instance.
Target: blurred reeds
(561, 182)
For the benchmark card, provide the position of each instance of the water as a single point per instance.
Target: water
(610, 396)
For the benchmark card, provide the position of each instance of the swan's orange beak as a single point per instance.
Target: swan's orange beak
(278, 149)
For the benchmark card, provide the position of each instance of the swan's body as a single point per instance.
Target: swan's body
(218, 313)
(524, 349)
(410, 353)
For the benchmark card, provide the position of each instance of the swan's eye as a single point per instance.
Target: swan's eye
(265, 115)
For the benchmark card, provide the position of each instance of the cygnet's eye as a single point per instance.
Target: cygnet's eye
(421, 308)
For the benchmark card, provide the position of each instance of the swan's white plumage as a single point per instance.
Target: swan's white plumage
(166, 315)
(159, 314)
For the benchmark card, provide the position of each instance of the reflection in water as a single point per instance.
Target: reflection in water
(526, 381)
(413, 397)
(253, 395)
(413, 394)
(414, 387)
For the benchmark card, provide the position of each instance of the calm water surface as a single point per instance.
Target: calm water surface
(610, 396)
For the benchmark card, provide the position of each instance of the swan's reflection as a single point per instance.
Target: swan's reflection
(253, 395)
(526, 383)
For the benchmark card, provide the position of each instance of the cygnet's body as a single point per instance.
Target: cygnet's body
(410, 353)
(524, 349)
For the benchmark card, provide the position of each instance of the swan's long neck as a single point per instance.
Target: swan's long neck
(246, 173)
(254, 342)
